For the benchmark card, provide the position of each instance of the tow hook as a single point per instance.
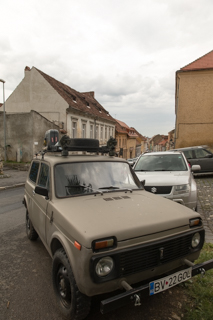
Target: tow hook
(202, 272)
(137, 300)
(136, 297)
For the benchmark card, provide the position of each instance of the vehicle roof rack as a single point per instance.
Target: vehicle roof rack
(67, 144)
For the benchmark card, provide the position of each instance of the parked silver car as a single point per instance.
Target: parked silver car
(169, 175)
(132, 161)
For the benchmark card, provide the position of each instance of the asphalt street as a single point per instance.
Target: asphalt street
(25, 279)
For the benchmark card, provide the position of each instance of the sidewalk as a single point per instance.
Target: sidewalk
(16, 178)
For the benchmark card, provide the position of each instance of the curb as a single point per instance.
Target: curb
(13, 186)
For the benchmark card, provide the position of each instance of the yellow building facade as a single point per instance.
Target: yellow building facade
(194, 103)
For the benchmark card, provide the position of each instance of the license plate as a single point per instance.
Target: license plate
(169, 281)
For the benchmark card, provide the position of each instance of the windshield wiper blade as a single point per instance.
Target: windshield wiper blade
(89, 188)
(142, 170)
(116, 188)
(110, 187)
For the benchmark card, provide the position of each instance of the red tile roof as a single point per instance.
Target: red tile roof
(140, 135)
(204, 62)
(163, 142)
(122, 124)
(81, 101)
(119, 128)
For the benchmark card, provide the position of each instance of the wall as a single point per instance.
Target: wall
(121, 143)
(25, 131)
(35, 93)
(80, 118)
(194, 111)
(131, 148)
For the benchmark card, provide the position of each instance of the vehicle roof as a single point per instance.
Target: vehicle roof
(194, 147)
(58, 158)
(162, 152)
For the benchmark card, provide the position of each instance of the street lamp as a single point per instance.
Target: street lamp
(5, 153)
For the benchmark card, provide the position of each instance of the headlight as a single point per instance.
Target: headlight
(195, 240)
(183, 188)
(104, 266)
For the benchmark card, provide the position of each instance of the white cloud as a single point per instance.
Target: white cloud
(125, 51)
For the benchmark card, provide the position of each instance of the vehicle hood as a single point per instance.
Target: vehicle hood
(120, 214)
(164, 178)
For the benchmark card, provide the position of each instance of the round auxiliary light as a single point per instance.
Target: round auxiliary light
(104, 266)
(195, 240)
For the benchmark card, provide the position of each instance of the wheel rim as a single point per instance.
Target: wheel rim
(63, 286)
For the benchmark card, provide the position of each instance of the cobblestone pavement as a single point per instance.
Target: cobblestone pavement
(205, 203)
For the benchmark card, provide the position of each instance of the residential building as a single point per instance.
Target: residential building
(78, 114)
(171, 139)
(141, 143)
(154, 142)
(193, 103)
(126, 139)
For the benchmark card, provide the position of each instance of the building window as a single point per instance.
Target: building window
(74, 129)
(106, 133)
(91, 131)
(96, 133)
(102, 133)
(83, 134)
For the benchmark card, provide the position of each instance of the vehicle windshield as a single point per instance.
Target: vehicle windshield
(93, 177)
(167, 162)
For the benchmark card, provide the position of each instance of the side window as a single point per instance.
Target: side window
(43, 180)
(188, 154)
(201, 153)
(34, 171)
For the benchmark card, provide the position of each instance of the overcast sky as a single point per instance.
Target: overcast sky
(127, 51)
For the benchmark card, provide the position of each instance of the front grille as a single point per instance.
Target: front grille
(146, 257)
(150, 256)
(159, 189)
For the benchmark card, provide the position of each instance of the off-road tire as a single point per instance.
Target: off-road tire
(72, 303)
(31, 233)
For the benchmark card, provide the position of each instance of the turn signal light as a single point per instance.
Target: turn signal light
(104, 244)
(195, 222)
(77, 245)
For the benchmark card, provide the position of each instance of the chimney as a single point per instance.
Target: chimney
(26, 70)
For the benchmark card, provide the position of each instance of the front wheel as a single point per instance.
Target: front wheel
(72, 303)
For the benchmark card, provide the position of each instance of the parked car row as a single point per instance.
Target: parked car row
(169, 175)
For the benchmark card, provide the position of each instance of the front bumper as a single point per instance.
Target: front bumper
(133, 294)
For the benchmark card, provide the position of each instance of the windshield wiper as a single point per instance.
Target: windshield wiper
(110, 187)
(77, 186)
(82, 186)
(143, 170)
(116, 188)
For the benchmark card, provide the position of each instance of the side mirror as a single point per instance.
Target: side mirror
(143, 182)
(42, 191)
(195, 167)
